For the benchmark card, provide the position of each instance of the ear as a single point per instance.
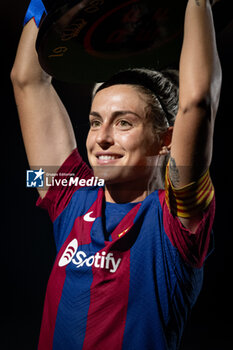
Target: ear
(166, 141)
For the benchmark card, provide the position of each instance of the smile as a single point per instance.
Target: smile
(107, 158)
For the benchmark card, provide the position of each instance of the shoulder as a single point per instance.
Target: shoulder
(72, 176)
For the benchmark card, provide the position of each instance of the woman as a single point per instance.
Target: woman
(130, 255)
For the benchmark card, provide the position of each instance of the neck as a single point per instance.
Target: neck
(124, 193)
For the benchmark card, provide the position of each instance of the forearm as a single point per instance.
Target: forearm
(26, 69)
(200, 70)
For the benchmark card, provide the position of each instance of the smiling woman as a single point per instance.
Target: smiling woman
(121, 144)
(138, 109)
(130, 253)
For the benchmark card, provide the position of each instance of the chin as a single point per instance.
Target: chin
(110, 174)
(113, 175)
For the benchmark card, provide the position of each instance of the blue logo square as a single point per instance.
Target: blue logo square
(35, 178)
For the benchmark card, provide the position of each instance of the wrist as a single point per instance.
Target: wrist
(35, 10)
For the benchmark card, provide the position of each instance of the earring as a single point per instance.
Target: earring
(164, 151)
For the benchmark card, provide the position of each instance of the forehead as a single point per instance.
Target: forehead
(119, 97)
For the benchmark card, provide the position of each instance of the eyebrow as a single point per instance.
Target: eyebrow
(115, 114)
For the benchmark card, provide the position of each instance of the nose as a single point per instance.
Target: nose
(105, 137)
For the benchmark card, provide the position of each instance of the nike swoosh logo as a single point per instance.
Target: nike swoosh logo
(88, 217)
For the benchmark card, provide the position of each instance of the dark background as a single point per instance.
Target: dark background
(27, 249)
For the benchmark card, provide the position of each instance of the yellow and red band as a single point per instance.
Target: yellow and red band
(191, 199)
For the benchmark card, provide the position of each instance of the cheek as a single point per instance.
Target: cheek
(130, 142)
(89, 141)
(144, 142)
(139, 147)
(126, 139)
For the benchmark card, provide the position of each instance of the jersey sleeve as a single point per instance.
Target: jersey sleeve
(58, 195)
(186, 202)
(193, 247)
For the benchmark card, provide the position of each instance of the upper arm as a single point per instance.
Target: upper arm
(192, 143)
(191, 151)
(46, 128)
(189, 202)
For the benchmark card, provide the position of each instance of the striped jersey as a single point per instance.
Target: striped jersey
(125, 276)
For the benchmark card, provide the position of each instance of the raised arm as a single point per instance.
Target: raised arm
(47, 131)
(200, 84)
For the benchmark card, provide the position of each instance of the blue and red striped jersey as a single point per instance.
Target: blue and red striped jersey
(125, 276)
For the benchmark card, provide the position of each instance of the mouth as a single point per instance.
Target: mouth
(107, 158)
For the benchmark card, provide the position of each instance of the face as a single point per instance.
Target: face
(121, 143)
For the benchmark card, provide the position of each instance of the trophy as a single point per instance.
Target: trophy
(89, 40)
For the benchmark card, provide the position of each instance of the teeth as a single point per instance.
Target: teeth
(106, 157)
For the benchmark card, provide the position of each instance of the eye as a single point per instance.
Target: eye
(124, 124)
(95, 124)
